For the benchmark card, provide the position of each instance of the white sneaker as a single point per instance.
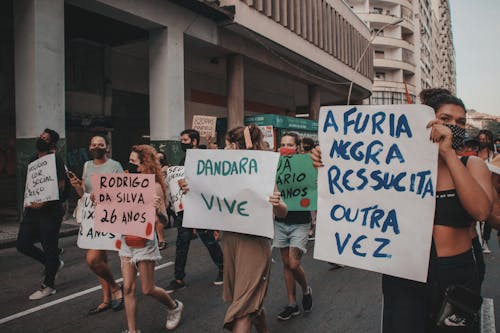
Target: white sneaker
(43, 292)
(486, 249)
(174, 316)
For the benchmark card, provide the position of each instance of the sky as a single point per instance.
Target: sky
(476, 36)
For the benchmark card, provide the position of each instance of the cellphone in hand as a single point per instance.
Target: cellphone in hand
(70, 174)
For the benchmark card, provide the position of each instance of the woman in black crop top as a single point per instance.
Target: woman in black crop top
(463, 196)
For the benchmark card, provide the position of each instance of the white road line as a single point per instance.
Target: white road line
(487, 316)
(66, 298)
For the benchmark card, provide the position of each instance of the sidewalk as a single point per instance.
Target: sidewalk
(9, 229)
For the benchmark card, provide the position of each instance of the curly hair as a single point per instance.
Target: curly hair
(437, 97)
(151, 164)
(236, 135)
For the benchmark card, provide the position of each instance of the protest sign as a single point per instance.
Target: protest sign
(41, 181)
(88, 237)
(229, 190)
(377, 188)
(297, 182)
(174, 174)
(268, 133)
(205, 125)
(125, 203)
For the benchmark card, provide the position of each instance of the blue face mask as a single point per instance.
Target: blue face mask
(458, 133)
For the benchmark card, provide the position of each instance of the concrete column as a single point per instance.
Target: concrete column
(235, 91)
(314, 102)
(39, 77)
(166, 90)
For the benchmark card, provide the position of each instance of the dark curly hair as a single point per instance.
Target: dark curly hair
(151, 164)
(437, 97)
(236, 135)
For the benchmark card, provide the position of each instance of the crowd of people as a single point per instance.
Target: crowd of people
(468, 181)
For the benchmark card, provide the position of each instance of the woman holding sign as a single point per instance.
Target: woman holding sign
(463, 195)
(290, 237)
(140, 254)
(96, 258)
(247, 258)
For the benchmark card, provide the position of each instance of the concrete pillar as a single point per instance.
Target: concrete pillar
(39, 77)
(235, 91)
(166, 90)
(314, 102)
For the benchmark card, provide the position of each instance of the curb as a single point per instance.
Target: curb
(9, 243)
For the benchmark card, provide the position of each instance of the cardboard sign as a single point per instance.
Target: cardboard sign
(174, 174)
(41, 181)
(268, 133)
(205, 125)
(125, 203)
(377, 189)
(230, 190)
(297, 181)
(88, 237)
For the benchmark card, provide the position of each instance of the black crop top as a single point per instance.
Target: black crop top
(449, 211)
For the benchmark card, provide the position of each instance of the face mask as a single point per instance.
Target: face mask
(42, 145)
(98, 153)
(285, 151)
(307, 148)
(497, 146)
(186, 146)
(458, 133)
(132, 168)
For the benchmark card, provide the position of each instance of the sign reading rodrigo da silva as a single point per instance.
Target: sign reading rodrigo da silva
(376, 191)
(229, 190)
(296, 180)
(124, 203)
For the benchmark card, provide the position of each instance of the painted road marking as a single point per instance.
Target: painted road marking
(66, 298)
(487, 316)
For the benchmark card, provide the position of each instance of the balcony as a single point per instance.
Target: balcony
(392, 42)
(405, 3)
(380, 85)
(376, 17)
(337, 35)
(394, 64)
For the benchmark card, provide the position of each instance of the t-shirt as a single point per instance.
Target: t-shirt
(296, 217)
(110, 166)
(51, 207)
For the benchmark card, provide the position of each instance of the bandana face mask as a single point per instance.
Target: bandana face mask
(458, 135)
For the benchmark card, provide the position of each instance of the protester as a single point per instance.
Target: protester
(247, 258)
(497, 145)
(463, 196)
(140, 255)
(486, 153)
(290, 237)
(307, 146)
(190, 139)
(97, 259)
(42, 221)
(163, 220)
(494, 218)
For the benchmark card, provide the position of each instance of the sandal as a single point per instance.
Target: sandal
(162, 245)
(117, 303)
(99, 308)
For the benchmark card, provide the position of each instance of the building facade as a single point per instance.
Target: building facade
(137, 71)
(413, 47)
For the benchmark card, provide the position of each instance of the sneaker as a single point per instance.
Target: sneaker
(486, 249)
(43, 292)
(455, 320)
(288, 312)
(174, 286)
(307, 300)
(220, 279)
(174, 316)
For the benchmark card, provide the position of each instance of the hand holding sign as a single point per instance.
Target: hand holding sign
(125, 203)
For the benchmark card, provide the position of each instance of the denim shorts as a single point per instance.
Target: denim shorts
(290, 235)
(149, 252)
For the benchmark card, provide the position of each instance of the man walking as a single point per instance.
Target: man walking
(42, 221)
(190, 139)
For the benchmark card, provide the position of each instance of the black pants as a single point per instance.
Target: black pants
(486, 231)
(412, 307)
(182, 247)
(43, 228)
